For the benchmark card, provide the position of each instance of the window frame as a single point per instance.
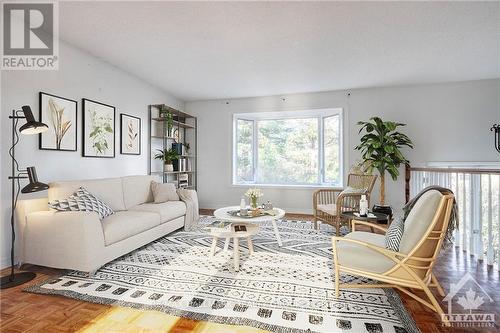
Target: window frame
(319, 114)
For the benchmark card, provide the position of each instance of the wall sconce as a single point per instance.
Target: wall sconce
(496, 129)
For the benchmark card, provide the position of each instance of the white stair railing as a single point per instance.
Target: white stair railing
(477, 191)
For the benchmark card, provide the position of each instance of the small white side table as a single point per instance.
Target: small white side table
(222, 214)
(228, 234)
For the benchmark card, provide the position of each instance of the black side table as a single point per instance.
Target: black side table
(379, 217)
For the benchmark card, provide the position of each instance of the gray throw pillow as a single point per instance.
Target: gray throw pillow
(394, 234)
(163, 192)
(84, 201)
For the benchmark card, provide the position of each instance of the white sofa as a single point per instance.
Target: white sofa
(79, 240)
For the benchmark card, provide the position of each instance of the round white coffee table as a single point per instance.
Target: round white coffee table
(230, 233)
(222, 214)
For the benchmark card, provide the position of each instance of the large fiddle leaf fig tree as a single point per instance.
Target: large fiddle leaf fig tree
(380, 148)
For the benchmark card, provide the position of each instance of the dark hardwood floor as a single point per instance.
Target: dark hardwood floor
(25, 312)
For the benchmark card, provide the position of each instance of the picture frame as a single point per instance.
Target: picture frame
(98, 129)
(61, 114)
(130, 135)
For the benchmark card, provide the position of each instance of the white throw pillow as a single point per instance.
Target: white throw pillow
(163, 192)
(353, 190)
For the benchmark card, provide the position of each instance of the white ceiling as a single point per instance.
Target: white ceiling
(224, 50)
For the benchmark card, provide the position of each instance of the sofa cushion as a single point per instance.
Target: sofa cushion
(109, 190)
(419, 219)
(360, 257)
(137, 190)
(125, 224)
(167, 210)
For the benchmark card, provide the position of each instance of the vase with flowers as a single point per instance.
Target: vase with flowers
(253, 194)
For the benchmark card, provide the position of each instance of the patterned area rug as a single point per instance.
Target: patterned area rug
(287, 289)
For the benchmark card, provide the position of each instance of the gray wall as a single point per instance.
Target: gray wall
(447, 122)
(80, 75)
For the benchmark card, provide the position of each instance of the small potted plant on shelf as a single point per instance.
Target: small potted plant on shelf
(163, 111)
(169, 120)
(380, 150)
(167, 155)
(253, 194)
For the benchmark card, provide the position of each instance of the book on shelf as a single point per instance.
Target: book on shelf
(177, 147)
(184, 164)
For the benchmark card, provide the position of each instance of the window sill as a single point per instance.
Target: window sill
(291, 187)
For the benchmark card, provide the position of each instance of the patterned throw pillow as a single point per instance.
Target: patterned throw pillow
(394, 234)
(82, 200)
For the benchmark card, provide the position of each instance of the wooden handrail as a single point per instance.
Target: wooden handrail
(409, 169)
(458, 170)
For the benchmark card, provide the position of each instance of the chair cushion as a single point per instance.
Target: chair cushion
(167, 210)
(419, 219)
(329, 209)
(109, 190)
(360, 257)
(368, 237)
(137, 190)
(124, 224)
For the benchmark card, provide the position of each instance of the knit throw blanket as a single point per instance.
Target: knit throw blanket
(190, 198)
(453, 223)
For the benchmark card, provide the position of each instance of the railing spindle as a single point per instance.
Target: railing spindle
(489, 252)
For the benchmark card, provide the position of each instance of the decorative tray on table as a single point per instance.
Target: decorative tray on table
(252, 213)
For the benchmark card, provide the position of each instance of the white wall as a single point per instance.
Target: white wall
(447, 122)
(80, 75)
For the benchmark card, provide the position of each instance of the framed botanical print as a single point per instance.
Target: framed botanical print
(61, 115)
(130, 135)
(98, 129)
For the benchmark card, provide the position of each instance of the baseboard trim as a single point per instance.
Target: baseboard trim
(4, 263)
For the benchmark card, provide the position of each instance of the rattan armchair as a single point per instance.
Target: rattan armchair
(328, 204)
(364, 254)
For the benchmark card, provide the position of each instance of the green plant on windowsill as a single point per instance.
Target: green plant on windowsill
(380, 149)
(167, 156)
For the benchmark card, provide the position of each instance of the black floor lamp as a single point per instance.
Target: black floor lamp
(31, 127)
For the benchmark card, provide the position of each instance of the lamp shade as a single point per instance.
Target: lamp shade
(32, 126)
(34, 185)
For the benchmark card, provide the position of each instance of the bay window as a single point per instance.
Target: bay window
(299, 148)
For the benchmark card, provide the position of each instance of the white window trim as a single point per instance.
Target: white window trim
(320, 114)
